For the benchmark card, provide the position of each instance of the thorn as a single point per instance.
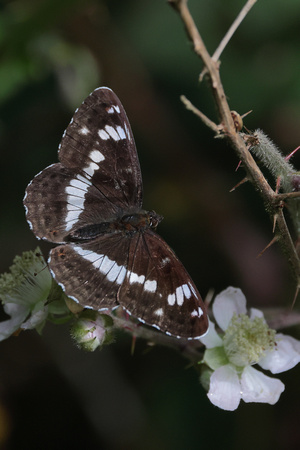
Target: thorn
(17, 332)
(275, 239)
(278, 184)
(248, 131)
(244, 180)
(291, 154)
(133, 342)
(274, 222)
(246, 114)
(295, 297)
(238, 166)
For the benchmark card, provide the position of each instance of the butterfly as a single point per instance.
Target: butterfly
(90, 203)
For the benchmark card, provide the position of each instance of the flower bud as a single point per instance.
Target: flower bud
(92, 330)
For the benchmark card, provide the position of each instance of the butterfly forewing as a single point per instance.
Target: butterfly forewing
(99, 141)
(99, 177)
(91, 203)
(158, 290)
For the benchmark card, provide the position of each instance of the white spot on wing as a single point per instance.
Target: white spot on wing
(84, 131)
(83, 179)
(127, 132)
(88, 254)
(200, 311)
(197, 313)
(75, 203)
(112, 132)
(192, 289)
(171, 299)
(90, 169)
(72, 216)
(159, 312)
(103, 135)
(134, 278)
(121, 276)
(96, 156)
(150, 285)
(164, 262)
(186, 291)
(179, 296)
(104, 264)
(78, 184)
(78, 188)
(121, 132)
(113, 108)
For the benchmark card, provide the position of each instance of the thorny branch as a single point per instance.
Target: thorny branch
(272, 200)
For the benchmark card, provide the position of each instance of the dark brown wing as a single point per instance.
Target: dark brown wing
(158, 290)
(98, 178)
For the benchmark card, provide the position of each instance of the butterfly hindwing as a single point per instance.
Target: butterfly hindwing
(92, 272)
(158, 290)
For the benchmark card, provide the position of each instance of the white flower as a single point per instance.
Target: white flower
(24, 292)
(245, 341)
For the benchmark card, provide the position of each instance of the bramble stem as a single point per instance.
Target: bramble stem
(272, 200)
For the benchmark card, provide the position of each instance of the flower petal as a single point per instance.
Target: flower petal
(18, 314)
(224, 389)
(36, 320)
(284, 356)
(256, 313)
(211, 339)
(257, 387)
(228, 302)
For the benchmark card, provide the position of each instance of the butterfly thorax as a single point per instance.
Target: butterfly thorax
(128, 224)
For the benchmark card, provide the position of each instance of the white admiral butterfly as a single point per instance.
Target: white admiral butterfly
(91, 203)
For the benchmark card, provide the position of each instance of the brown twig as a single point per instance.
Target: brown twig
(241, 16)
(287, 195)
(190, 349)
(209, 123)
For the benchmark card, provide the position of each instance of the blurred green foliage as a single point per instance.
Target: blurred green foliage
(53, 53)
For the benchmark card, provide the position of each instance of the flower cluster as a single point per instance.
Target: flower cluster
(27, 293)
(244, 340)
(30, 296)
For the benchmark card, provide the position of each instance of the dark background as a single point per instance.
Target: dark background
(53, 54)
